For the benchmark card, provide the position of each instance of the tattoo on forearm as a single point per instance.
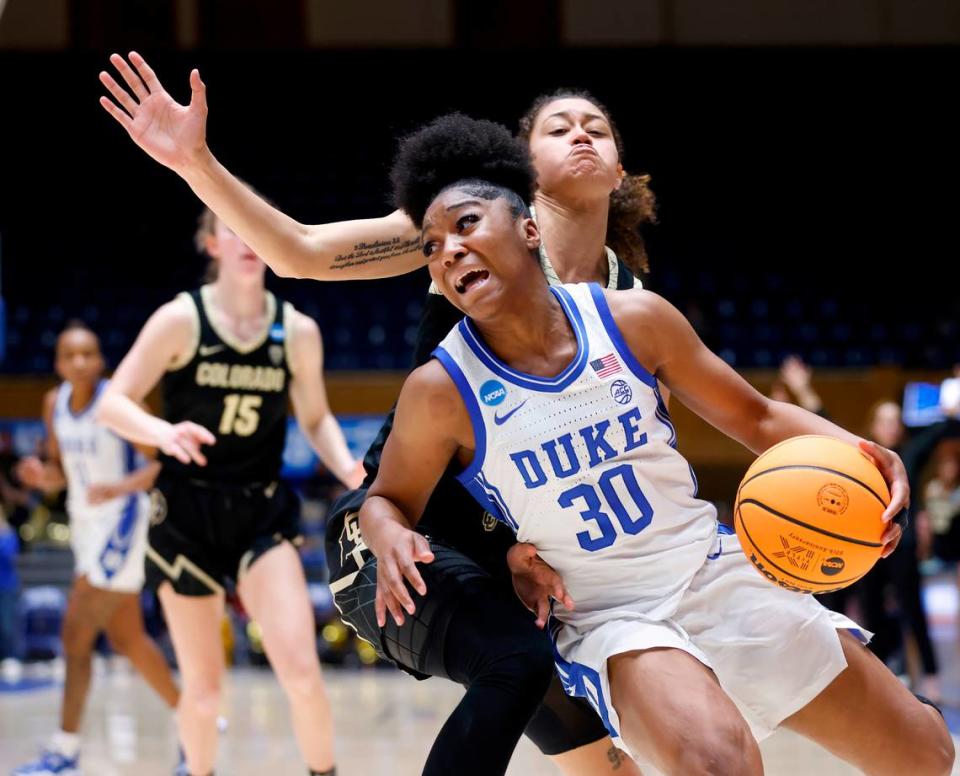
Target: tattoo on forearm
(615, 758)
(381, 250)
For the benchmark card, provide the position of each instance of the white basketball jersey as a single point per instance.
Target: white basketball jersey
(584, 465)
(90, 453)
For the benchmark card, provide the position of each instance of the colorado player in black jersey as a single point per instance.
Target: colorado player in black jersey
(585, 201)
(230, 356)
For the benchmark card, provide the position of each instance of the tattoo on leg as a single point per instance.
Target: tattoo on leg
(615, 757)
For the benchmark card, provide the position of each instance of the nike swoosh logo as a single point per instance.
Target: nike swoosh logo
(501, 420)
(210, 350)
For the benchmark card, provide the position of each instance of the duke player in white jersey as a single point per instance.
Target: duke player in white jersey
(105, 478)
(547, 398)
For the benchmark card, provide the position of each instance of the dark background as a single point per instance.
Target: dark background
(808, 194)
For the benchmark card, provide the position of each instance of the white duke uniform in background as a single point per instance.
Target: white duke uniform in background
(108, 539)
(584, 465)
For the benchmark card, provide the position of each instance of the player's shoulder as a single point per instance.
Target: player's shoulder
(636, 305)
(50, 399)
(431, 388)
(431, 406)
(179, 312)
(431, 379)
(299, 324)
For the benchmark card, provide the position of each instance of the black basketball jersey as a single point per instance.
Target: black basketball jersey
(239, 393)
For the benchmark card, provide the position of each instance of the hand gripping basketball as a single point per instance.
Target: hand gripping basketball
(814, 513)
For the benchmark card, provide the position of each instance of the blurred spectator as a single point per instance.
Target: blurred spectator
(9, 589)
(797, 378)
(898, 577)
(941, 499)
(15, 498)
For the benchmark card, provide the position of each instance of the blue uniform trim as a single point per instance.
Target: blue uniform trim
(129, 457)
(533, 382)
(494, 495)
(722, 530)
(90, 405)
(476, 419)
(581, 681)
(613, 332)
(114, 554)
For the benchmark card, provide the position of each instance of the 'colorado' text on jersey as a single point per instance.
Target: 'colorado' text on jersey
(239, 391)
(584, 465)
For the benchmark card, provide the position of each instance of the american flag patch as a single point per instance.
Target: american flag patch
(608, 365)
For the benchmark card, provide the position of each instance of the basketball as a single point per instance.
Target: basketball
(808, 514)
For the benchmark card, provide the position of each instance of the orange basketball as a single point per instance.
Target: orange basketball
(808, 514)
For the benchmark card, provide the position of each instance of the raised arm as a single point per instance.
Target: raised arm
(176, 136)
(430, 427)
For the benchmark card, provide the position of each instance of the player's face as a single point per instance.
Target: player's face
(476, 250)
(573, 150)
(234, 258)
(887, 427)
(78, 359)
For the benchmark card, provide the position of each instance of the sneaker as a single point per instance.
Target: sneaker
(50, 763)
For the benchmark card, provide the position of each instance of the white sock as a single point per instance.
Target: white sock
(67, 744)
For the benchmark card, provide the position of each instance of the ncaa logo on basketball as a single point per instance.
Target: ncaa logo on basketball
(832, 566)
(276, 332)
(276, 354)
(621, 392)
(833, 499)
(492, 393)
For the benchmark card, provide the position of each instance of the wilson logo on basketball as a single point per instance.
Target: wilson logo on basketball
(832, 566)
(833, 499)
(779, 582)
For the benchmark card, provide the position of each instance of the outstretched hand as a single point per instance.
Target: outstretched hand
(173, 134)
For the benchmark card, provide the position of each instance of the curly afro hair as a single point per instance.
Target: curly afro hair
(456, 148)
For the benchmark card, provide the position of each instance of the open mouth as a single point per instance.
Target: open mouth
(471, 279)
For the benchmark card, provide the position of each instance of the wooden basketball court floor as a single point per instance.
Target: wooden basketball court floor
(385, 721)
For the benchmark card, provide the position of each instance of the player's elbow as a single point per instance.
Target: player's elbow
(289, 266)
(105, 411)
